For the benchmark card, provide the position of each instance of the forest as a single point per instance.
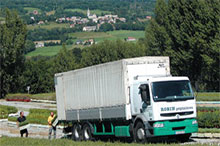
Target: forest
(186, 31)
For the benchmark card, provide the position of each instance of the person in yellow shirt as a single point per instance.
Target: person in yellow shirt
(51, 127)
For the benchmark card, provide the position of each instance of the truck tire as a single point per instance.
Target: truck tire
(87, 132)
(139, 133)
(76, 132)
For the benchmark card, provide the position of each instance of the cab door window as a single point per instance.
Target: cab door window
(145, 93)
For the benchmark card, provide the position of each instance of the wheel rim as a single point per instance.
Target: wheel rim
(86, 133)
(140, 133)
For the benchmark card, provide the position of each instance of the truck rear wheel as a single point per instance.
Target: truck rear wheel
(76, 132)
(139, 133)
(87, 132)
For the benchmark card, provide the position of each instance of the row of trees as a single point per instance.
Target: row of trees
(187, 31)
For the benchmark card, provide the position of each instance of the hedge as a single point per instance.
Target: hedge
(6, 110)
(208, 117)
(208, 109)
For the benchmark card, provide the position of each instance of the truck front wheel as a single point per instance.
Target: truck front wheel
(76, 135)
(87, 132)
(139, 133)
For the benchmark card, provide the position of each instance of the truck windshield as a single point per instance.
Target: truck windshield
(172, 90)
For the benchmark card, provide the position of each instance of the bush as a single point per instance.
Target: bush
(208, 109)
(6, 110)
(18, 96)
(209, 119)
(23, 123)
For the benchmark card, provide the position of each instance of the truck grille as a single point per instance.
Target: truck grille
(177, 113)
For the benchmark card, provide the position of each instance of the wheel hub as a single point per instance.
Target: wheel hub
(140, 134)
(76, 133)
(86, 134)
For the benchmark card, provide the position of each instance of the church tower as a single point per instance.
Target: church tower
(88, 12)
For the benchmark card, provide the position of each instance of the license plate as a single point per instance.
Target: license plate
(180, 132)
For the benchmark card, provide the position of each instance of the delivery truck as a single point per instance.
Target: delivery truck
(136, 98)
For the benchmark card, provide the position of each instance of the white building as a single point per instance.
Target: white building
(39, 44)
(91, 16)
(89, 28)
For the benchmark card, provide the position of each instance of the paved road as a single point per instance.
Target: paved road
(35, 131)
(10, 129)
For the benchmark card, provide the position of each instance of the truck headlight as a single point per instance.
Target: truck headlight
(158, 125)
(194, 122)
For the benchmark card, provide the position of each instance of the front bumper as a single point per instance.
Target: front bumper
(175, 127)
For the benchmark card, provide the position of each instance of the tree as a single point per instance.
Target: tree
(188, 32)
(29, 46)
(110, 51)
(37, 74)
(64, 61)
(106, 27)
(12, 40)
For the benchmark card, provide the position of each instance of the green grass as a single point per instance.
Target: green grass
(14, 141)
(40, 96)
(110, 35)
(97, 12)
(49, 25)
(31, 9)
(209, 130)
(5, 110)
(98, 36)
(208, 96)
(50, 50)
(39, 116)
(44, 96)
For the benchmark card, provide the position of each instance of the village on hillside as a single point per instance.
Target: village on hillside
(99, 20)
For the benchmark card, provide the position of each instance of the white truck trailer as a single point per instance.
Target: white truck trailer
(136, 98)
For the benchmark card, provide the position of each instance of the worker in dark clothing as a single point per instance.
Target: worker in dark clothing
(20, 119)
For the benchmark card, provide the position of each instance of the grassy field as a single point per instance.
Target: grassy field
(209, 130)
(98, 36)
(49, 25)
(14, 141)
(50, 50)
(208, 96)
(110, 35)
(97, 12)
(31, 9)
(40, 96)
(5, 110)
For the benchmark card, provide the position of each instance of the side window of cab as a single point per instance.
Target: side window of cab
(145, 93)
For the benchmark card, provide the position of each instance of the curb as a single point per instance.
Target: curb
(206, 135)
(31, 125)
(44, 101)
(207, 102)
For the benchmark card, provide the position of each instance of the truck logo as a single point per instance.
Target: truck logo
(167, 109)
(177, 116)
